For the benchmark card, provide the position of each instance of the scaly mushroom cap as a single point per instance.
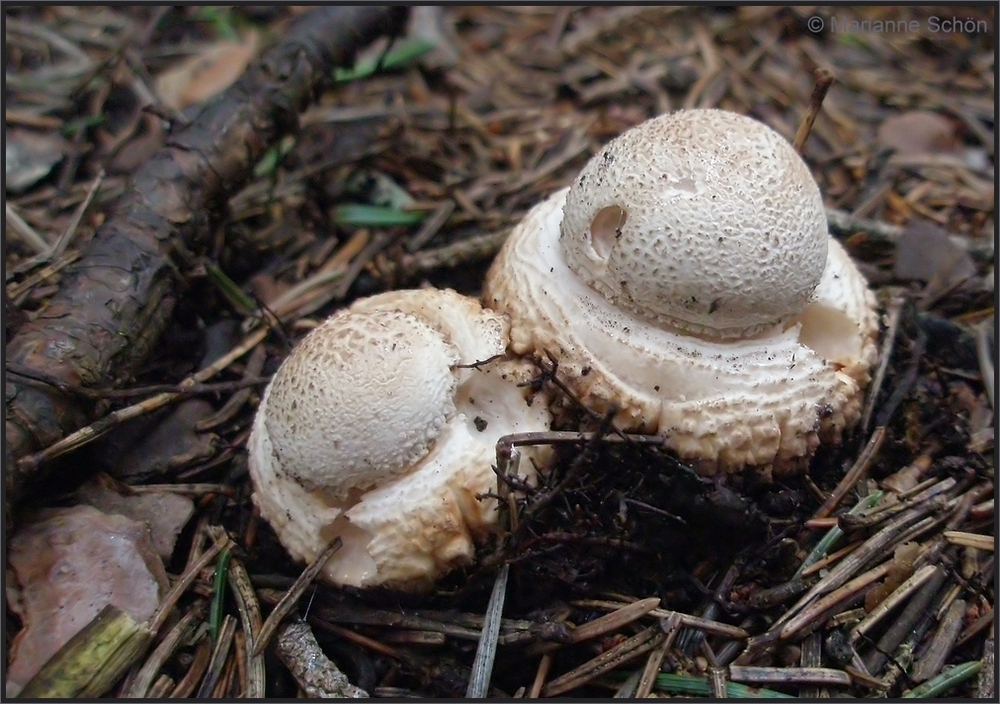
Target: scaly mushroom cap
(382, 371)
(703, 220)
(765, 397)
(376, 430)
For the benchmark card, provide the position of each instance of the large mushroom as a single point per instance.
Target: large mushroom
(381, 428)
(687, 281)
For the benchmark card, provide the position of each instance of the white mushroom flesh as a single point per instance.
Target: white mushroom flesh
(394, 472)
(765, 398)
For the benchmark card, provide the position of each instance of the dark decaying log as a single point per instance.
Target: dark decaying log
(117, 300)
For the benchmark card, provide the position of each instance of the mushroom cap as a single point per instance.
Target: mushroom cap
(380, 374)
(410, 509)
(704, 220)
(766, 400)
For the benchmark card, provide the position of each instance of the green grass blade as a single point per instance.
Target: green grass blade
(936, 686)
(376, 216)
(698, 686)
(399, 55)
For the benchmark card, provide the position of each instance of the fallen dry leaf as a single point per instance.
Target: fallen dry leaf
(917, 132)
(165, 512)
(68, 566)
(925, 251)
(199, 77)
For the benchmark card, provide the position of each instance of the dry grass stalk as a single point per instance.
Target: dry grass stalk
(220, 656)
(811, 616)
(901, 593)
(196, 670)
(249, 610)
(627, 650)
(933, 658)
(854, 475)
(823, 676)
(970, 540)
(486, 650)
(291, 598)
(671, 626)
(138, 685)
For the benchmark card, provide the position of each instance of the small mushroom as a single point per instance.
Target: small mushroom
(381, 428)
(687, 280)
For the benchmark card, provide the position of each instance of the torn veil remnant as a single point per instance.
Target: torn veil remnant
(381, 428)
(687, 279)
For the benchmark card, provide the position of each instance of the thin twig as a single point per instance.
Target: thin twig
(63, 242)
(431, 226)
(894, 310)
(986, 686)
(170, 600)
(601, 625)
(27, 232)
(811, 655)
(544, 665)
(854, 475)
(712, 627)
(812, 615)
(195, 671)
(98, 428)
(616, 619)
(824, 79)
(139, 684)
(29, 374)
